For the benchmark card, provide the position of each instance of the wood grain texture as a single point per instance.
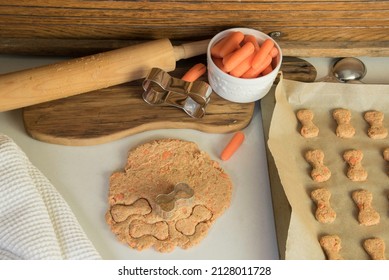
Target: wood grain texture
(336, 24)
(113, 113)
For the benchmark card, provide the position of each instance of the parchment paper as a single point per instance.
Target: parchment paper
(288, 148)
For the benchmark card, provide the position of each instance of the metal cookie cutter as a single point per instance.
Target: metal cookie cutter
(167, 204)
(163, 89)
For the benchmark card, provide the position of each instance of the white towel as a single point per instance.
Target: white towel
(36, 223)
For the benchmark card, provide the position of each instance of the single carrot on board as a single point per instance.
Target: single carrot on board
(233, 145)
(254, 72)
(243, 67)
(262, 53)
(232, 43)
(194, 72)
(238, 56)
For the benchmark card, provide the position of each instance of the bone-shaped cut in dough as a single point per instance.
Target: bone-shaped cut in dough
(188, 225)
(121, 212)
(159, 230)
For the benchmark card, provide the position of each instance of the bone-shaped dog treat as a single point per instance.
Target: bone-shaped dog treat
(367, 215)
(343, 119)
(376, 129)
(324, 212)
(308, 129)
(159, 230)
(320, 172)
(121, 212)
(356, 172)
(386, 156)
(375, 247)
(166, 204)
(188, 226)
(331, 245)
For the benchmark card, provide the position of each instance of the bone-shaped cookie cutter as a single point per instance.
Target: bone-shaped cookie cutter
(167, 204)
(162, 89)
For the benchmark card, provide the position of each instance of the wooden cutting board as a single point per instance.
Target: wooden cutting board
(109, 114)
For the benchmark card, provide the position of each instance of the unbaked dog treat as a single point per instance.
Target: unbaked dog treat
(375, 247)
(376, 129)
(320, 172)
(308, 128)
(367, 215)
(343, 119)
(356, 172)
(385, 154)
(331, 245)
(324, 212)
(155, 168)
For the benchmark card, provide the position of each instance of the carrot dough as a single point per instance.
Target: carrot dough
(320, 172)
(343, 119)
(331, 245)
(308, 128)
(152, 169)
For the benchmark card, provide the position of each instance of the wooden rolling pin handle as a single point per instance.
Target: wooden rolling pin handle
(32, 86)
(192, 49)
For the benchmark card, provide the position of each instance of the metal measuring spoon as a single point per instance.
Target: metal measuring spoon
(346, 70)
(349, 70)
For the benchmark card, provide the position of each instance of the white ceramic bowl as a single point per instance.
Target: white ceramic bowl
(235, 89)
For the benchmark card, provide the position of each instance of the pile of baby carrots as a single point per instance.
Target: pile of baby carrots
(241, 55)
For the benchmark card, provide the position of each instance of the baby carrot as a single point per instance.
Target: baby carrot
(238, 56)
(261, 54)
(219, 63)
(232, 43)
(273, 52)
(233, 145)
(252, 39)
(243, 67)
(215, 50)
(254, 72)
(194, 73)
(267, 70)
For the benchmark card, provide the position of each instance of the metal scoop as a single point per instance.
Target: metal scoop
(346, 70)
(349, 69)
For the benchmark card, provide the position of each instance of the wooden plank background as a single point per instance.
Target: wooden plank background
(307, 28)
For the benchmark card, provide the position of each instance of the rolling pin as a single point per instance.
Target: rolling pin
(36, 85)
